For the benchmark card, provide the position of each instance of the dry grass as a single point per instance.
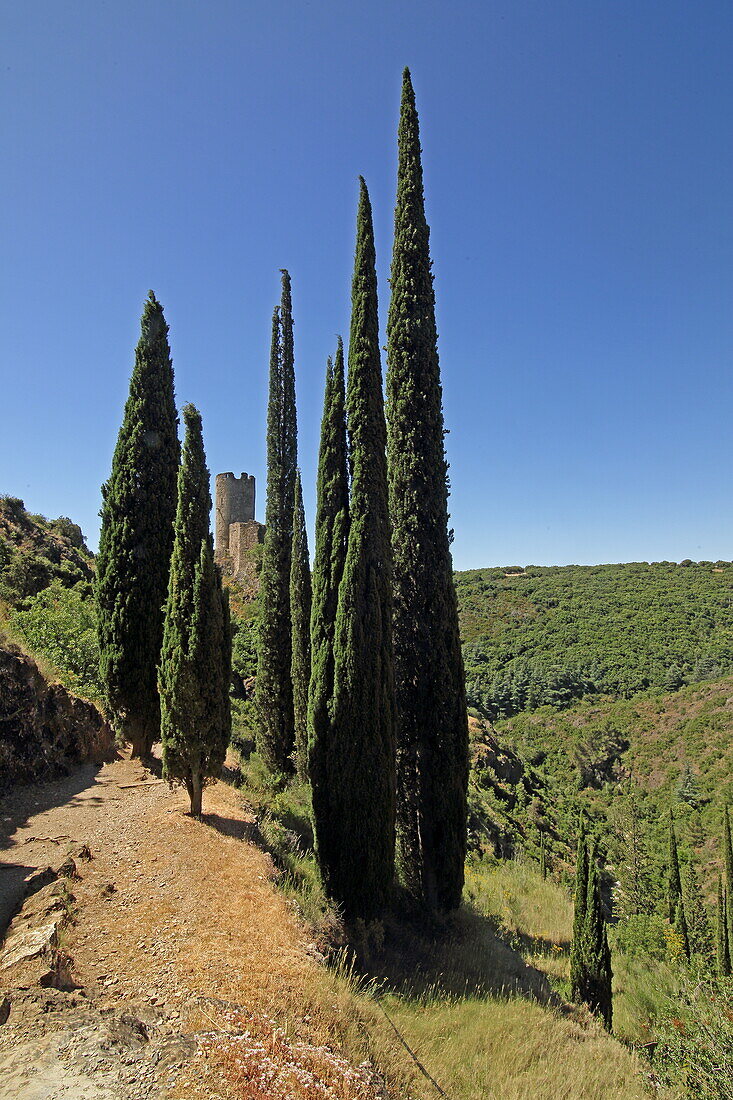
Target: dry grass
(496, 1049)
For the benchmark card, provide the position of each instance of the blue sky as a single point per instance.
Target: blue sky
(579, 186)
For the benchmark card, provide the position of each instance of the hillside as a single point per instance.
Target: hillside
(551, 635)
(36, 552)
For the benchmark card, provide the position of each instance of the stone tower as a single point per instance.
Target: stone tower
(235, 503)
(236, 531)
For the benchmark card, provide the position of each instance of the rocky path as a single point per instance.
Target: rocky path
(173, 924)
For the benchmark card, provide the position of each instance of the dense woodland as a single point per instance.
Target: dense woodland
(550, 636)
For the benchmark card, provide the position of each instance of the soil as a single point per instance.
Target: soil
(177, 938)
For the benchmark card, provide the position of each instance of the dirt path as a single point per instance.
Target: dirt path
(175, 922)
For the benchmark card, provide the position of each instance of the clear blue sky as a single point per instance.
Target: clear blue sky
(579, 182)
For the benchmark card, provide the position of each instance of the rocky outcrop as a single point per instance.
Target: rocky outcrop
(44, 730)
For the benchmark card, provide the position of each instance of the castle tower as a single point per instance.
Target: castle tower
(234, 503)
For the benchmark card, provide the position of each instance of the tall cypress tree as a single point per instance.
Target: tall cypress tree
(680, 923)
(274, 666)
(597, 974)
(195, 665)
(581, 899)
(674, 882)
(356, 835)
(332, 528)
(728, 871)
(300, 610)
(138, 508)
(432, 729)
(722, 942)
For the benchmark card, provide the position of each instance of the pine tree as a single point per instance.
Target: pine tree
(432, 729)
(355, 837)
(300, 610)
(581, 898)
(636, 891)
(674, 882)
(332, 528)
(138, 508)
(195, 665)
(722, 942)
(274, 665)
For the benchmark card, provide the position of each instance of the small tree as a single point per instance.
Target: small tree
(300, 613)
(195, 667)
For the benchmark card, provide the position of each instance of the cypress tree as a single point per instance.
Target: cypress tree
(300, 610)
(355, 837)
(138, 508)
(728, 870)
(195, 663)
(581, 900)
(722, 942)
(543, 857)
(680, 923)
(332, 528)
(597, 977)
(432, 724)
(274, 664)
(674, 883)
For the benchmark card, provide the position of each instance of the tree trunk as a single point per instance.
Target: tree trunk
(135, 733)
(195, 789)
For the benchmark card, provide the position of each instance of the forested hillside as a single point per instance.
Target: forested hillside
(552, 635)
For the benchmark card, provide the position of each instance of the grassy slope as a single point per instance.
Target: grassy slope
(483, 1005)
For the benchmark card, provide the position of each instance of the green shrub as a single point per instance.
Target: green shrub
(59, 626)
(695, 1041)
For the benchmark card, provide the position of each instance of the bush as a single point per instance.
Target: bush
(642, 935)
(695, 1041)
(59, 626)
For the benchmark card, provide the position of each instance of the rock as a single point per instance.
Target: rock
(39, 879)
(68, 869)
(4, 1009)
(29, 955)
